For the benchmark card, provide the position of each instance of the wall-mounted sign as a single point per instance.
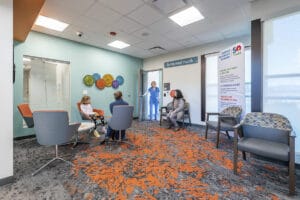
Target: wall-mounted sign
(185, 61)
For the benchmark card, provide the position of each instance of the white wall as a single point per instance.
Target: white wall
(6, 89)
(187, 78)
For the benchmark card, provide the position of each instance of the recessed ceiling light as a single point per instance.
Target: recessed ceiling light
(51, 23)
(187, 16)
(118, 44)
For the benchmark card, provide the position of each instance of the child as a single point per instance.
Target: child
(89, 113)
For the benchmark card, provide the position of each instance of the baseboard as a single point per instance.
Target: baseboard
(24, 137)
(6, 180)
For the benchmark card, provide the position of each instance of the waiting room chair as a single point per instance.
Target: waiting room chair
(121, 119)
(164, 111)
(186, 114)
(93, 119)
(226, 120)
(268, 135)
(53, 128)
(26, 113)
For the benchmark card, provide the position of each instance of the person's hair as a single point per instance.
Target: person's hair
(84, 99)
(118, 95)
(178, 94)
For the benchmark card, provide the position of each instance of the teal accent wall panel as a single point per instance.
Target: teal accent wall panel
(84, 59)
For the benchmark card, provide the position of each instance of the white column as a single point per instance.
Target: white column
(6, 89)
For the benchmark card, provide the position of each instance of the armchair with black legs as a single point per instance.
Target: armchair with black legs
(226, 120)
(268, 135)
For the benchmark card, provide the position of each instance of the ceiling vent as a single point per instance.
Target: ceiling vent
(157, 50)
(167, 6)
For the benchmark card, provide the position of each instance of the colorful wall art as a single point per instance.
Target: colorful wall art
(107, 80)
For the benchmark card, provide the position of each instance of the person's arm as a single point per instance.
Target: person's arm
(180, 106)
(111, 108)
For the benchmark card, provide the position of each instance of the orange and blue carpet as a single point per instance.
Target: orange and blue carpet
(164, 164)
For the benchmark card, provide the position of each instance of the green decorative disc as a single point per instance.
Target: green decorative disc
(88, 80)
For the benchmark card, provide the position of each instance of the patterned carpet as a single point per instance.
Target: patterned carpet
(162, 165)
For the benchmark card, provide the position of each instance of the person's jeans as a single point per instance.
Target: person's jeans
(116, 135)
(172, 118)
(153, 103)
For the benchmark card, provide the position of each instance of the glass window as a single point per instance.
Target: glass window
(281, 74)
(212, 81)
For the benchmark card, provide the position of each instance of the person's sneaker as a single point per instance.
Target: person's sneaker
(169, 127)
(96, 134)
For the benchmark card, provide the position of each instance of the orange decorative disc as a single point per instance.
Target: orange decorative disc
(172, 93)
(108, 78)
(100, 84)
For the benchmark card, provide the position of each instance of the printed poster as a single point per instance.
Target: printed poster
(231, 77)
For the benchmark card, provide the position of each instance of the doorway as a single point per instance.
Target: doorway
(46, 83)
(147, 78)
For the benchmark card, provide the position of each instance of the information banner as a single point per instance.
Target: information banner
(231, 77)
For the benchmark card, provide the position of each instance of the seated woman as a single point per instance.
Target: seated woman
(177, 110)
(89, 113)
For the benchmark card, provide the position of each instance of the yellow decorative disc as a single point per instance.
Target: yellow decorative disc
(108, 78)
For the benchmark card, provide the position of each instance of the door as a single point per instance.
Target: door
(147, 78)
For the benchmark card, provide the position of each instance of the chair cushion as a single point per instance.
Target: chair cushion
(224, 126)
(269, 149)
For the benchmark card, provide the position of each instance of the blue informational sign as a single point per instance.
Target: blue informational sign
(185, 61)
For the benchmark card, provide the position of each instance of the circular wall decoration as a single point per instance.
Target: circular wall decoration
(108, 78)
(115, 84)
(96, 76)
(172, 93)
(100, 84)
(88, 80)
(120, 80)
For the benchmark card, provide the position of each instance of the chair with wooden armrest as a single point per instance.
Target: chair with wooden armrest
(226, 120)
(268, 135)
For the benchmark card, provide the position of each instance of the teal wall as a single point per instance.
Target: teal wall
(83, 60)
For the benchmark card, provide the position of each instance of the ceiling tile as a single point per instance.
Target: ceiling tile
(121, 6)
(164, 26)
(145, 15)
(103, 14)
(127, 25)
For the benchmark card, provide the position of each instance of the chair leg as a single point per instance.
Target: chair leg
(227, 133)
(218, 138)
(160, 119)
(244, 155)
(292, 180)
(206, 130)
(235, 157)
(52, 160)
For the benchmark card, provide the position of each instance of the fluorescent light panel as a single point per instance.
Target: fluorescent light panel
(187, 16)
(51, 23)
(118, 44)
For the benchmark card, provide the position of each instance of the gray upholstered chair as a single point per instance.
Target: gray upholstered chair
(121, 119)
(226, 120)
(53, 128)
(268, 135)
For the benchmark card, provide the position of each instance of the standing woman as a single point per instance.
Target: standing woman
(154, 99)
(177, 111)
